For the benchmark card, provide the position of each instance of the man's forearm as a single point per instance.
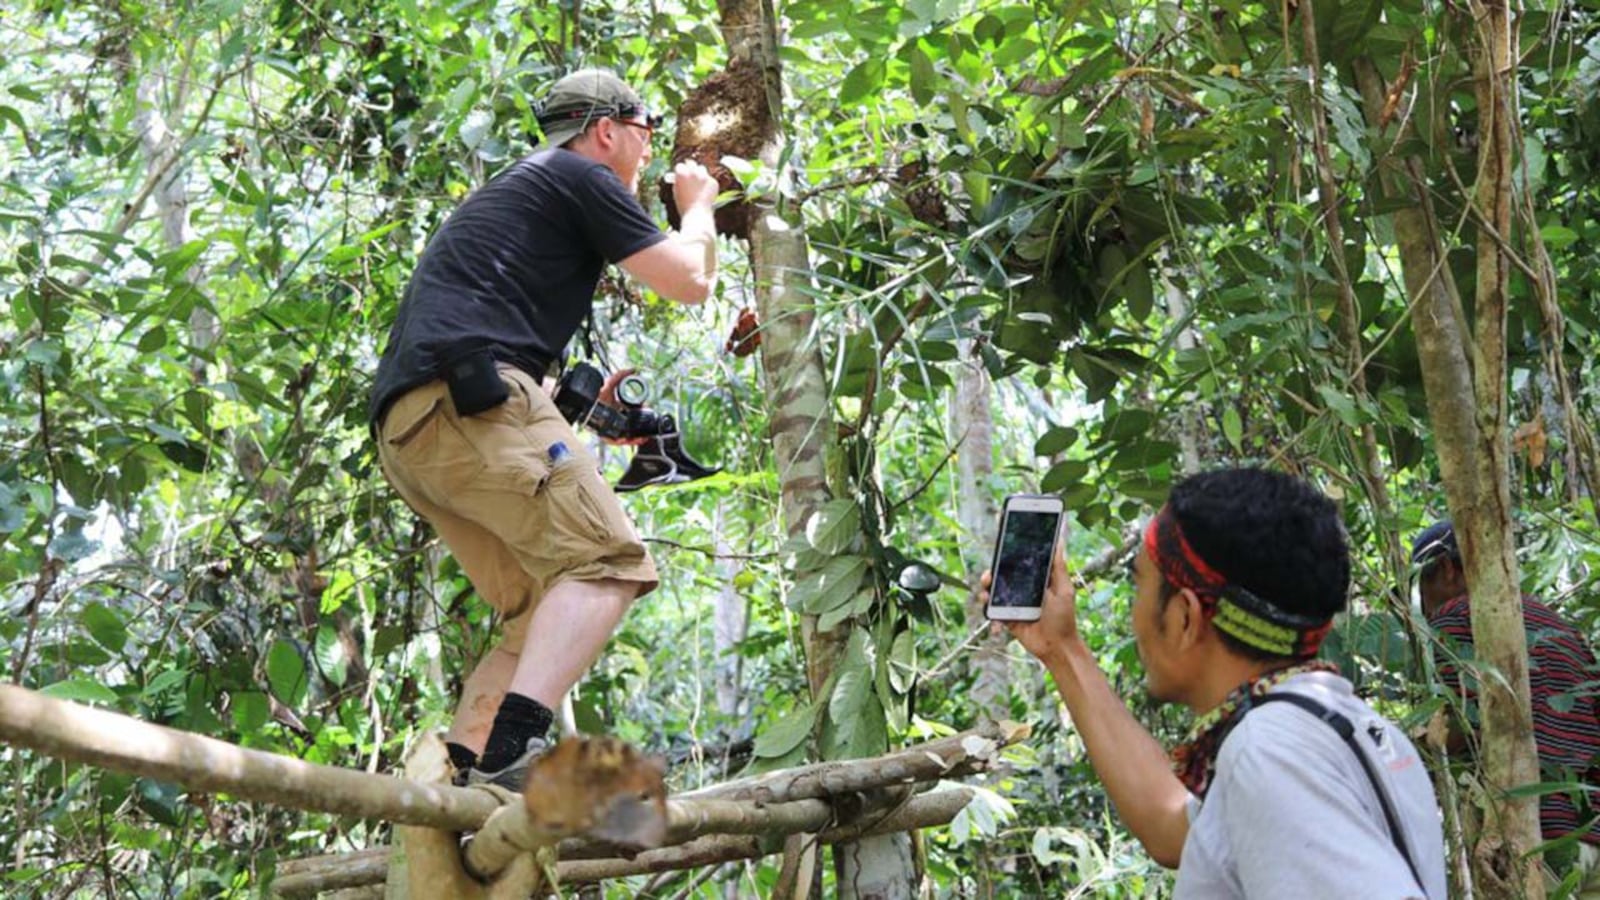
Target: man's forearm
(1127, 758)
(697, 225)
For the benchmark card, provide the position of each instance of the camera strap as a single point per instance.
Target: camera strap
(592, 345)
(1347, 731)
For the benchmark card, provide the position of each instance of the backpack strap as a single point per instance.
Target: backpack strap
(1347, 731)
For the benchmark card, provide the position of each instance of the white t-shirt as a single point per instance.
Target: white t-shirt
(1292, 813)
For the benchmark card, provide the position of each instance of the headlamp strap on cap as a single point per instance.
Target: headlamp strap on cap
(1233, 609)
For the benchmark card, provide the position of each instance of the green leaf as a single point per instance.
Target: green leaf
(344, 253)
(1128, 424)
(166, 681)
(924, 80)
(462, 95)
(176, 262)
(286, 672)
(1340, 403)
(869, 732)
(1063, 475)
(105, 626)
(71, 545)
(250, 710)
(863, 81)
(1233, 428)
(330, 653)
(831, 587)
(1558, 237)
(787, 733)
(153, 340)
(860, 605)
(855, 726)
(1056, 440)
(834, 527)
(12, 115)
(1140, 292)
(80, 691)
(903, 661)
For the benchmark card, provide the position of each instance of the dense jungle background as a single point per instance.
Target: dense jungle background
(1081, 246)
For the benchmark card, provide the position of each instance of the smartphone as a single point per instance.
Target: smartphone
(1030, 525)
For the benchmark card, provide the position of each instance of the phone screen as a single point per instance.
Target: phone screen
(1022, 565)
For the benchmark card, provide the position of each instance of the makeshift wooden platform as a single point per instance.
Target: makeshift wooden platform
(594, 809)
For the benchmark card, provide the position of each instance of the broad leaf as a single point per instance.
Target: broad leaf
(787, 733)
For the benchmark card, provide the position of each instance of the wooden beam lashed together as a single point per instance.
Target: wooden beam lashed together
(111, 740)
(743, 819)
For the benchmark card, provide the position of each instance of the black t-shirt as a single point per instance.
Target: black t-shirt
(513, 269)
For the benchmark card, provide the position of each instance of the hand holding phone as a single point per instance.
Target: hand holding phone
(1030, 526)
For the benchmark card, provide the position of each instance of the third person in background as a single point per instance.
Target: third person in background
(1562, 680)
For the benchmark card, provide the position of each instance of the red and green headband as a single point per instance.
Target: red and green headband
(1231, 608)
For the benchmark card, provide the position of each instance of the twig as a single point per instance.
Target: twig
(707, 551)
(898, 332)
(698, 880)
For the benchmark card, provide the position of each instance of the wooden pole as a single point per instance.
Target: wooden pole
(952, 757)
(778, 803)
(316, 874)
(111, 740)
(923, 811)
(305, 877)
(794, 800)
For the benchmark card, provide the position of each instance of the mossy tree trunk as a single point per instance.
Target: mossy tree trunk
(802, 424)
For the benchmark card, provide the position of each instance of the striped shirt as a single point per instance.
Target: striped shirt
(1566, 714)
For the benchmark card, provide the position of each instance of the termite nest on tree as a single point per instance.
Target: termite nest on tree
(727, 115)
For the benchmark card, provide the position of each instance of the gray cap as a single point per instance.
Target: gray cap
(579, 99)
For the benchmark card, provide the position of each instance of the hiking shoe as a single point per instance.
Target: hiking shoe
(515, 775)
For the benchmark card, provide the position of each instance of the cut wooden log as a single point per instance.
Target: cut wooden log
(317, 874)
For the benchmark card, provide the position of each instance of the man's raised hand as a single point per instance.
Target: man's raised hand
(692, 185)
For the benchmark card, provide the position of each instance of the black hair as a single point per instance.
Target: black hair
(1270, 533)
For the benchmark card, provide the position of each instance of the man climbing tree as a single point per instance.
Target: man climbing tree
(469, 437)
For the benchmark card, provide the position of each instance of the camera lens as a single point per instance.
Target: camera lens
(631, 391)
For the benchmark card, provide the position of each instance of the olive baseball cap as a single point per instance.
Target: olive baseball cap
(581, 98)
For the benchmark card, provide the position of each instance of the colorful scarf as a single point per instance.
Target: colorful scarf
(1195, 760)
(1232, 609)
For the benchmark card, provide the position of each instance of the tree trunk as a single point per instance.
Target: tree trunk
(1480, 500)
(1190, 423)
(972, 423)
(1464, 380)
(162, 151)
(802, 423)
(730, 624)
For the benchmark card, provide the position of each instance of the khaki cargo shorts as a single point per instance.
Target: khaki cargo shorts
(518, 523)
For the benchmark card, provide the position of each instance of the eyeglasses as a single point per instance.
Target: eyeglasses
(627, 112)
(648, 129)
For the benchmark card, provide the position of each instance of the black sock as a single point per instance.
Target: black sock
(519, 720)
(461, 757)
